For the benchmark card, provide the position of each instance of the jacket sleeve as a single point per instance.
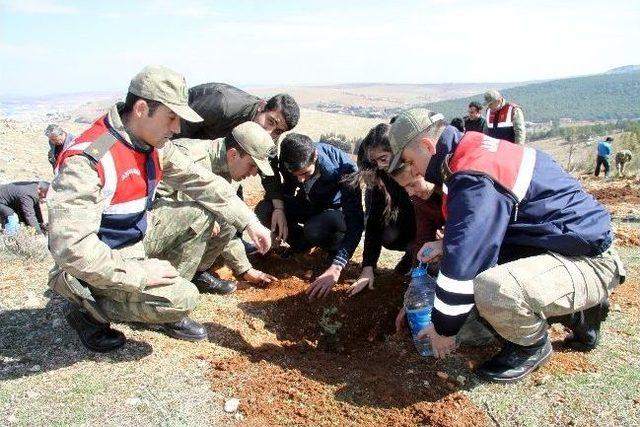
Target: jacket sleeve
(51, 155)
(373, 231)
(273, 184)
(289, 183)
(235, 256)
(75, 206)
(210, 190)
(478, 216)
(518, 126)
(428, 219)
(351, 200)
(28, 209)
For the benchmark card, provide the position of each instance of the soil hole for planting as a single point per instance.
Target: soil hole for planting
(335, 361)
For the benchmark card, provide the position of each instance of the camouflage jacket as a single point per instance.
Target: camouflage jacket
(75, 205)
(211, 155)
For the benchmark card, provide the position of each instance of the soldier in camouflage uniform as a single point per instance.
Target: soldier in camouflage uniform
(241, 154)
(622, 158)
(98, 212)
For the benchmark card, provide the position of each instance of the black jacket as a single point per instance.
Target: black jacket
(223, 107)
(22, 199)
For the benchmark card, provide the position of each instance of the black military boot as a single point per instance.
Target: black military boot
(208, 283)
(515, 362)
(585, 326)
(186, 329)
(96, 336)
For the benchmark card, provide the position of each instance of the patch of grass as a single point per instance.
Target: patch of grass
(26, 244)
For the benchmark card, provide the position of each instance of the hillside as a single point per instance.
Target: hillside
(377, 95)
(599, 97)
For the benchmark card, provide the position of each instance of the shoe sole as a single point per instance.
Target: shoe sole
(540, 363)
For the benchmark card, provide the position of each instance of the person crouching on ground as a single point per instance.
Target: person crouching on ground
(99, 217)
(395, 220)
(321, 209)
(239, 155)
(558, 260)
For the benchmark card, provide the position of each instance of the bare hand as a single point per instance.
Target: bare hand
(401, 322)
(440, 233)
(279, 224)
(365, 280)
(216, 229)
(260, 235)
(322, 285)
(159, 272)
(257, 276)
(440, 345)
(430, 251)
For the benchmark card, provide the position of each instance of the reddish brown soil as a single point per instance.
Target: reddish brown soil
(289, 370)
(627, 235)
(301, 374)
(627, 296)
(621, 196)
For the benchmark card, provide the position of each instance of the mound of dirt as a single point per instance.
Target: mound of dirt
(621, 197)
(336, 361)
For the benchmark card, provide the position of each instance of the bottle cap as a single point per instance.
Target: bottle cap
(419, 271)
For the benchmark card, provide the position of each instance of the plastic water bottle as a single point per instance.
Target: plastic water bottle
(418, 303)
(12, 226)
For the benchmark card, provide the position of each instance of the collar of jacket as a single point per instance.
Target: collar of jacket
(116, 124)
(218, 157)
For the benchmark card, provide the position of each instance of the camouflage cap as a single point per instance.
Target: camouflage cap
(164, 85)
(491, 96)
(257, 143)
(406, 127)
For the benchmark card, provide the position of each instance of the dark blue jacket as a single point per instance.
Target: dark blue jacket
(556, 214)
(329, 192)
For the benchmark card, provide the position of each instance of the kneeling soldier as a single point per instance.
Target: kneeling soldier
(98, 214)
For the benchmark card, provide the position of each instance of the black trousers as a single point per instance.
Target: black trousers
(308, 227)
(602, 161)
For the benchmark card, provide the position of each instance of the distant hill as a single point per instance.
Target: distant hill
(377, 95)
(601, 97)
(624, 69)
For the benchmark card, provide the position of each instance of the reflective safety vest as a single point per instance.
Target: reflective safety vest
(509, 165)
(128, 177)
(500, 123)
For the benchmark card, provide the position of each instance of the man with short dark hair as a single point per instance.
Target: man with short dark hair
(474, 122)
(59, 139)
(223, 107)
(320, 207)
(103, 238)
(20, 203)
(523, 242)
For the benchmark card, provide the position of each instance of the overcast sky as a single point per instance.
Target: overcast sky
(55, 46)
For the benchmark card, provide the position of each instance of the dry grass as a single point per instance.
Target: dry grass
(26, 244)
(47, 378)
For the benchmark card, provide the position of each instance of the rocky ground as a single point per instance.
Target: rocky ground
(288, 361)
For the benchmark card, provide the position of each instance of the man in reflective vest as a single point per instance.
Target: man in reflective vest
(523, 243)
(115, 260)
(504, 120)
